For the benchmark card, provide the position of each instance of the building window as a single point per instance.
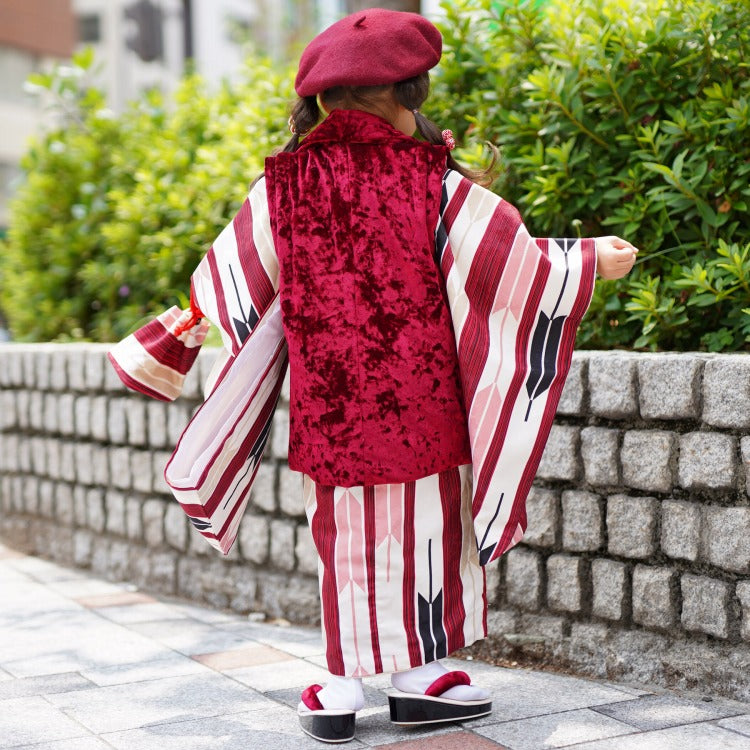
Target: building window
(89, 28)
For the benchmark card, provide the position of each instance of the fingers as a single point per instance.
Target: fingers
(621, 244)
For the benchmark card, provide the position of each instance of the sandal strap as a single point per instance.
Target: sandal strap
(446, 682)
(310, 698)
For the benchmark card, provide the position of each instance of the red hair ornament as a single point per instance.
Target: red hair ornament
(448, 139)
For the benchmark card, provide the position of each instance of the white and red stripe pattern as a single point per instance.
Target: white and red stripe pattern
(232, 287)
(236, 280)
(154, 360)
(400, 579)
(516, 303)
(217, 457)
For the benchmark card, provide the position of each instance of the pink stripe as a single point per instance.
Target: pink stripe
(564, 355)
(525, 328)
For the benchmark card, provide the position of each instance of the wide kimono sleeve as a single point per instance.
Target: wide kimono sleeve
(516, 303)
(232, 287)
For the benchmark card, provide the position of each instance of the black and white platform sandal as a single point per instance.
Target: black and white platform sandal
(409, 709)
(326, 725)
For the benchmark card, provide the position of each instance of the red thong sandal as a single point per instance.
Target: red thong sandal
(326, 725)
(408, 709)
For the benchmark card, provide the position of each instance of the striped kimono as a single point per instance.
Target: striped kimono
(401, 563)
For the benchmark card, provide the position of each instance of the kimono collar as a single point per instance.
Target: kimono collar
(354, 126)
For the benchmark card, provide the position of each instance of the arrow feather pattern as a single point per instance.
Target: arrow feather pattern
(543, 356)
(550, 354)
(536, 355)
(241, 329)
(350, 563)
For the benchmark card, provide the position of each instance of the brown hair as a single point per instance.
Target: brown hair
(411, 93)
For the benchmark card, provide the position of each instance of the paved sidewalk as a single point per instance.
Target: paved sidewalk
(91, 665)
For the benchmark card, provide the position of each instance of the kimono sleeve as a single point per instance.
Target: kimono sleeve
(238, 278)
(516, 303)
(231, 288)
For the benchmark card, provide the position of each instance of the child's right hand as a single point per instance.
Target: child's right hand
(615, 257)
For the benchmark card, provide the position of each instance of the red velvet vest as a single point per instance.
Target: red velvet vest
(375, 389)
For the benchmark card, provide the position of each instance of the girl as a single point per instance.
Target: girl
(429, 337)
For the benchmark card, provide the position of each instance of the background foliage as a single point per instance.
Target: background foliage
(628, 117)
(116, 212)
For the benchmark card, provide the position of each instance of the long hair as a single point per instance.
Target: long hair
(410, 93)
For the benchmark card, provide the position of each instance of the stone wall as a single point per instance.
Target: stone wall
(634, 567)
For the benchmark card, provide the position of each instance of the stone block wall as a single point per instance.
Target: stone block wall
(81, 481)
(635, 565)
(636, 561)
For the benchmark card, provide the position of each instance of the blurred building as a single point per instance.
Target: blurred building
(140, 44)
(33, 33)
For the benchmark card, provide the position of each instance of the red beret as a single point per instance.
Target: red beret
(369, 48)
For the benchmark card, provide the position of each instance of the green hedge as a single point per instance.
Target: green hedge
(612, 117)
(116, 212)
(628, 117)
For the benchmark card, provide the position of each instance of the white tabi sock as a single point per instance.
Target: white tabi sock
(417, 680)
(342, 693)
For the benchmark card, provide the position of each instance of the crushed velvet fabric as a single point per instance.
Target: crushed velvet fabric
(375, 388)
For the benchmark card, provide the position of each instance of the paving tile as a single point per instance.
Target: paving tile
(6, 553)
(45, 571)
(79, 743)
(10, 576)
(170, 665)
(202, 614)
(28, 601)
(45, 685)
(119, 707)
(453, 741)
(114, 599)
(739, 724)
(629, 689)
(275, 727)
(522, 693)
(136, 613)
(554, 730)
(298, 642)
(317, 659)
(691, 737)
(374, 728)
(189, 636)
(49, 723)
(88, 587)
(249, 656)
(662, 711)
(71, 642)
(287, 674)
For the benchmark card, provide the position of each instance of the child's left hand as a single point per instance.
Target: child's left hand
(615, 257)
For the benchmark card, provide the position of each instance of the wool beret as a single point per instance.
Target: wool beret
(369, 48)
